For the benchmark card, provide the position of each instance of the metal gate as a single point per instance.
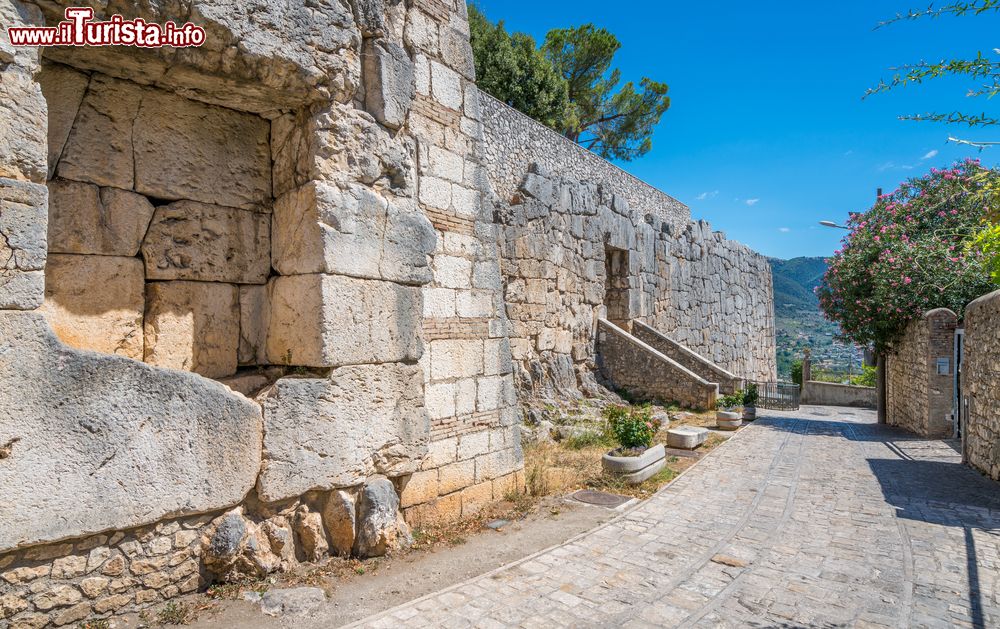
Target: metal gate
(778, 396)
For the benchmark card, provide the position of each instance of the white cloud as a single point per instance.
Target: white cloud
(849, 153)
(752, 202)
(707, 195)
(894, 166)
(930, 154)
(784, 230)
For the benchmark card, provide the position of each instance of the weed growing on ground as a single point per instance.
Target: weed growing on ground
(174, 613)
(232, 591)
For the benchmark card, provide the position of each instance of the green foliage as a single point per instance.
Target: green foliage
(631, 426)
(866, 378)
(987, 242)
(732, 400)
(797, 372)
(751, 395)
(909, 254)
(587, 440)
(982, 71)
(613, 124)
(512, 69)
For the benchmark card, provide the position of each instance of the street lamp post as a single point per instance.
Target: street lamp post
(834, 225)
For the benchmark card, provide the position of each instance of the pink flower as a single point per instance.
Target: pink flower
(907, 280)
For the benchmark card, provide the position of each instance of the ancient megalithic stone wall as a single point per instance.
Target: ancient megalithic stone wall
(981, 385)
(721, 302)
(293, 209)
(582, 240)
(918, 397)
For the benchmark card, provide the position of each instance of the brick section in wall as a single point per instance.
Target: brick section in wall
(448, 222)
(981, 384)
(454, 426)
(432, 109)
(462, 474)
(455, 328)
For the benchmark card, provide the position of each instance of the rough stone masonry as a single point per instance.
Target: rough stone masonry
(262, 302)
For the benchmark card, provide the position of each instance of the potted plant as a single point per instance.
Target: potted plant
(750, 397)
(636, 458)
(727, 414)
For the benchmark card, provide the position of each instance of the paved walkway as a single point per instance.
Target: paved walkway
(817, 518)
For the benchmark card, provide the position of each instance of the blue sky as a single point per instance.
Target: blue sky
(767, 133)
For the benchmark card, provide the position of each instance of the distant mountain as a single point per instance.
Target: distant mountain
(795, 281)
(798, 321)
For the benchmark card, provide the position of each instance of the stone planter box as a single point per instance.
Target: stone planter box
(635, 469)
(749, 413)
(728, 420)
(686, 437)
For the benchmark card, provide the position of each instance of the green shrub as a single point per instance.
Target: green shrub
(797, 372)
(866, 378)
(729, 401)
(587, 440)
(751, 395)
(631, 427)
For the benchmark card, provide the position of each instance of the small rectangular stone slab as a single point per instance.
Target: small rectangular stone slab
(686, 437)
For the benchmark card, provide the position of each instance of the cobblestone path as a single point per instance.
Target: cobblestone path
(818, 518)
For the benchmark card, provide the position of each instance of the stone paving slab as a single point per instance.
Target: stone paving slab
(816, 518)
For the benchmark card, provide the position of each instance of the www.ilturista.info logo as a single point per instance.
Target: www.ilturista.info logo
(79, 29)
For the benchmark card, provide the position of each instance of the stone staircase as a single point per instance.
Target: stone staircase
(645, 372)
(689, 359)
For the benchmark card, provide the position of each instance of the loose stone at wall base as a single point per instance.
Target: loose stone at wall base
(136, 443)
(337, 431)
(380, 524)
(96, 303)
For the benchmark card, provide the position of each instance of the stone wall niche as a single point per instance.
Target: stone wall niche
(159, 223)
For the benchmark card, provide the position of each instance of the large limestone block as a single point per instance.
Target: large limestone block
(63, 89)
(389, 82)
(189, 150)
(22, 111)
(102, 442)
(331, 320)
(325, 433)
(90, 220)
(188, 240)
(96, 302)
(99, 147)
(21, 290)
(22, 244)
(350, 230)
(193, 326)
(23, 222)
